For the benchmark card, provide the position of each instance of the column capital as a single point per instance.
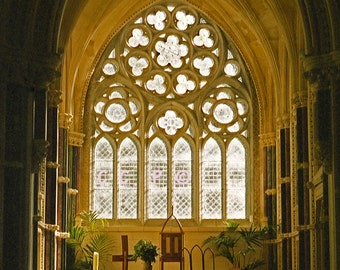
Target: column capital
(29, 69)
(319, 69)
(65, 120)
(76, 138)
(300, 99)
(54, 97)
(324, 61)
(268, 139)
(283, 121)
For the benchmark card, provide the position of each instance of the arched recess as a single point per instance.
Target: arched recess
(247, 25)
(260, 31)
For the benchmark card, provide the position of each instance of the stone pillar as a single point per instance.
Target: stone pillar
(65, 121)
(269, 191)
(335, 183)
(323, 76)
(299, 170)
(51, 196)
(23, 82)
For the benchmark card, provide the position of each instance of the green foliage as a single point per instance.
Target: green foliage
(242, 246)
(86, 238)
(146, 251)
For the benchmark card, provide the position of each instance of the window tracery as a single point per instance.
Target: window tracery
(172, 109)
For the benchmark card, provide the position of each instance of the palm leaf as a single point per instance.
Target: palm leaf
(77, 236)
(252, 236)
(98, 243)
(86, 238)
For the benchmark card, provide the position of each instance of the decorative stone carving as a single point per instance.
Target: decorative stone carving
(65, 120)
(63, 179)
(62, 235)
(76, 138)
(72, 191)
(48, 227)
(54, 98)
(268, 139)
(323, 155)
(30, 69)
(320, 75)
(39, 153)
(283, 121)
(300, 99)
(52, 165)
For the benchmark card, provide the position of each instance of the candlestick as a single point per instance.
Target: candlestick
(95, 260)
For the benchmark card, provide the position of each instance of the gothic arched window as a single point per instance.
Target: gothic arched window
(170, 118)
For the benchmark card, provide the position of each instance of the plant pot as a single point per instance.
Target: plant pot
(147, 266)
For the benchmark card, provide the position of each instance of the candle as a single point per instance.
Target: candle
(95, 260)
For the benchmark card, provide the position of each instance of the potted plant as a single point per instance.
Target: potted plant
(86, 238)
(145, 251)
(241, 247)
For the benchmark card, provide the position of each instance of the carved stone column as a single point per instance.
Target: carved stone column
(335, 182)
(75, 141)
(54, 98)
(299, 171)
(24, 80)
(65, 121)
(322, 73)
(269, 192)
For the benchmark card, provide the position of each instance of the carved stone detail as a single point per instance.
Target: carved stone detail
(39, 153)
(268, 139)
(63, 180)
(283, 121)
(52, 165)
(72, 191)
(65, 120)
(76, 138)
(320, 77)
(323, 154)
(48, 227)
(62, 235)
(300, 99)
(31, 70)
(54, 98)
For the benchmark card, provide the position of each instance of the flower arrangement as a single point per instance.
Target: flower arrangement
(146, 251)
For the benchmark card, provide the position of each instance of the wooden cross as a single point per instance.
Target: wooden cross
(124, 257)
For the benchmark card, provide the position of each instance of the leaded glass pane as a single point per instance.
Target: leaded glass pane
(211, 180)
(103, 176)
(182, 179)
(127, 179)
(157, 180)
(236, 180)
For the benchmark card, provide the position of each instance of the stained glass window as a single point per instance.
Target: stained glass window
(170, 114)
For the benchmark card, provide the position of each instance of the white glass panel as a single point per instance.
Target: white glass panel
(223, 113)
(182, 179)
(171, 52)
(157, 180)
(170, 122)
(103, 176)
(211, 180)
(116, 113)
(127, 180)
(236, 180)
